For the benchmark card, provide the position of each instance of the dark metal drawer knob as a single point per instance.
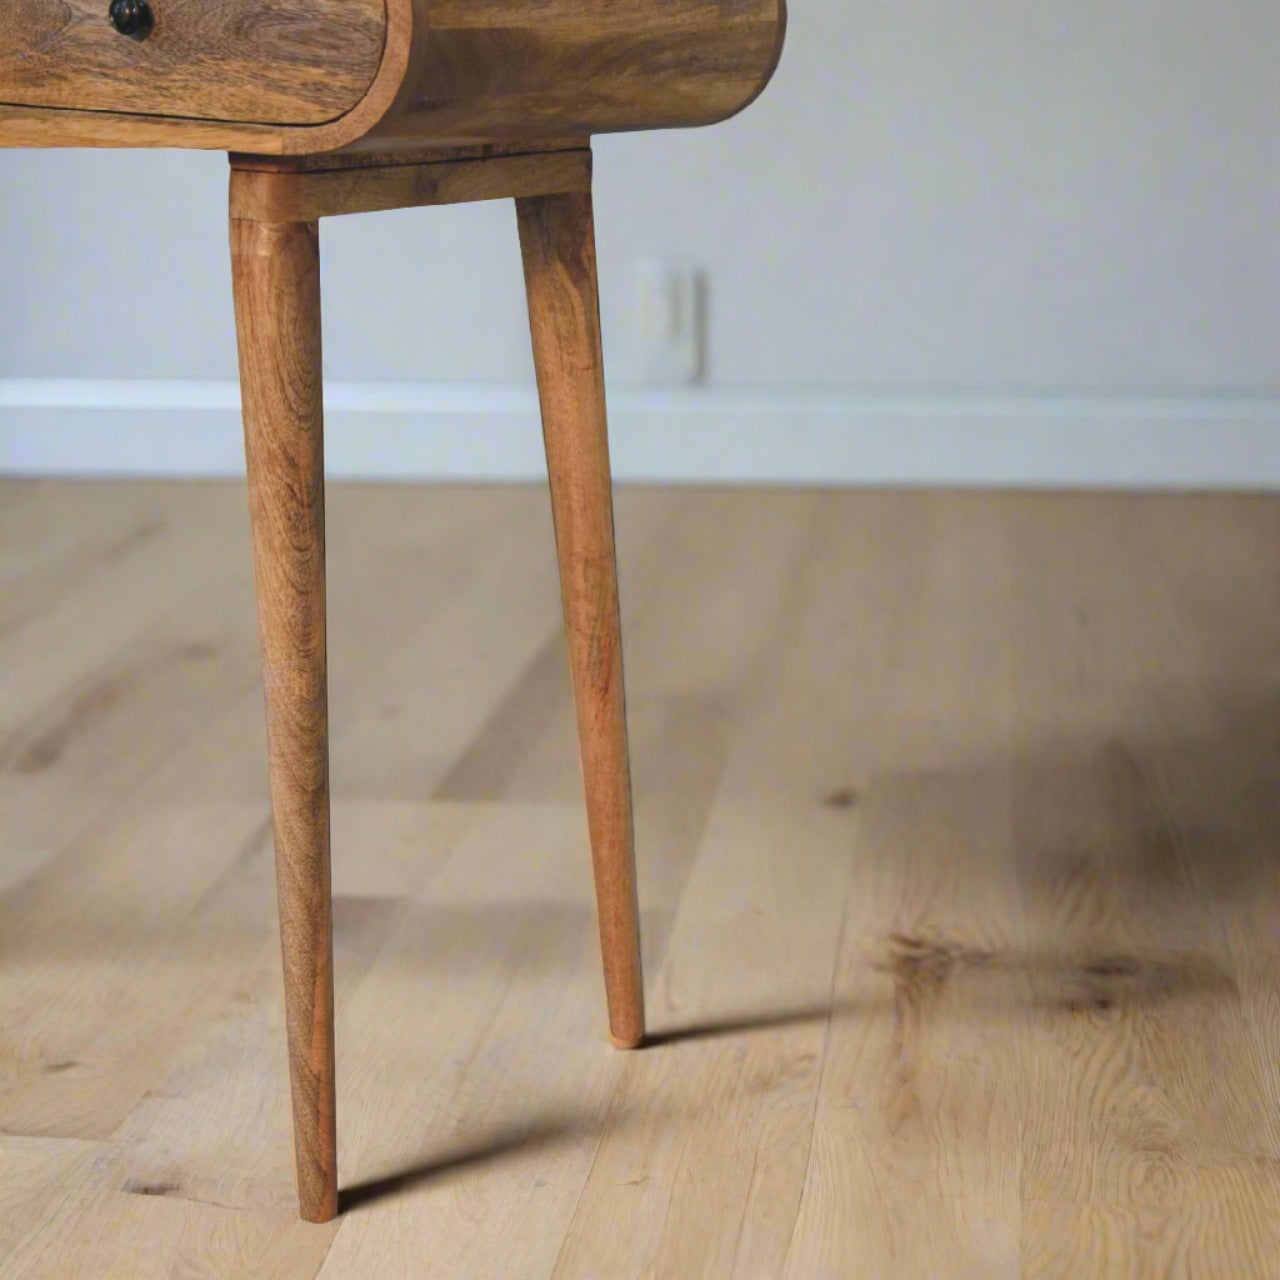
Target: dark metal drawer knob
(131, 18)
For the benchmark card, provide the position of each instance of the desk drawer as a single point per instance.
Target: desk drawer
(268, 61)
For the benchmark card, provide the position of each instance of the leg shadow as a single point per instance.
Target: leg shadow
(504, 1141)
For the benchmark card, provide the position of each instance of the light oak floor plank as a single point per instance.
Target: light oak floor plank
(959, 871)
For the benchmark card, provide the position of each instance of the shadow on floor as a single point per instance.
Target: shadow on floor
(546, 1131)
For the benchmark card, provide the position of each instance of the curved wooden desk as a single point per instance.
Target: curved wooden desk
(348, 106)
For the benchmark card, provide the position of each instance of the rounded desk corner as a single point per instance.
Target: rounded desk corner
(769, 70)
(31, 124)
(441, 82)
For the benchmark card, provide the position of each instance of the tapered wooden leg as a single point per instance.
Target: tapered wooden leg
(276, 272)
(557, 239)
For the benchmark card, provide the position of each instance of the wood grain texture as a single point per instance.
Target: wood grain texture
(369, 158)
(22, 126)
(298, 62)
(273, 196)
(457, 72)
(557, 242)
(961, 891)
(500, 69)
(276, 277)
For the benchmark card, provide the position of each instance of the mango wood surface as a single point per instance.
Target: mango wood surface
(275, 269)
(282, 196)
(369, 158)
(296, 62)
(276, 278)
(452, 72)
(497, 69)
(961, 884)
(557, 242)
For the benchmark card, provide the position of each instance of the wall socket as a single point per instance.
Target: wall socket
(669, 320)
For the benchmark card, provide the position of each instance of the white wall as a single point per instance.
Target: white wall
(958, 200)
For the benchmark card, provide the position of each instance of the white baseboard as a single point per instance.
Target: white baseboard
(477, 432)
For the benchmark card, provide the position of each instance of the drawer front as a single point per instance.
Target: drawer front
(270, 61)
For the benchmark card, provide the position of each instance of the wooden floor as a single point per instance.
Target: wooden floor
(960, 874)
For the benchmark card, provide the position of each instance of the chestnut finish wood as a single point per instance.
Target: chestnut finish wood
(305, 196)
(334, 107)
(276, 277)
(275, 259)
(451, 72)
(510, 69)
(557, 241)
(370, 158)
(298, 62)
